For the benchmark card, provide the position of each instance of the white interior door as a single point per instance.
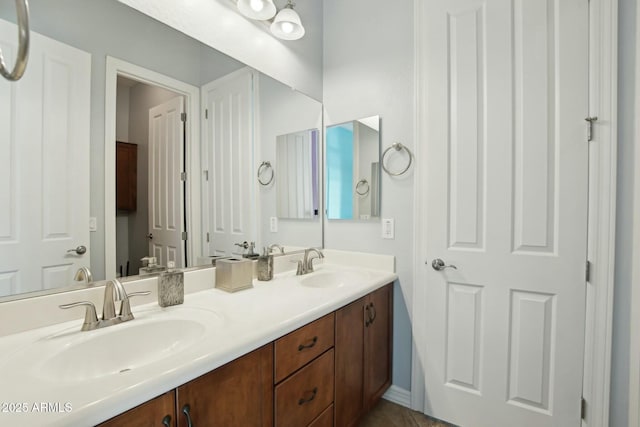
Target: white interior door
(166, 197)
(230, 215)
(44, 165)
(505, 202)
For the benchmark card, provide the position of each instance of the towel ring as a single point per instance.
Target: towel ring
(22, 9)
(362, 183)
(397, 146)
(264, 166)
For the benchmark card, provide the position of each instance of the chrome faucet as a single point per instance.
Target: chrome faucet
(306, 265)
(83, 275)
(113, 291)
(275, 246)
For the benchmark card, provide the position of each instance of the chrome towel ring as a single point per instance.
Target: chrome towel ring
(263, 168)
(22, 9)
(397, 147)
(362, 187)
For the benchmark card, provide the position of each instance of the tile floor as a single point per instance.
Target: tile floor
(387, 414)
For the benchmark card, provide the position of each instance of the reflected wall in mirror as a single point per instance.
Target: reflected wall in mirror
(353, 169)
(74, 113)
(297, 179)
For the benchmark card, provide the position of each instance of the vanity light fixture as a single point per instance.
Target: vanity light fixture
(287, 24)
(257, 9)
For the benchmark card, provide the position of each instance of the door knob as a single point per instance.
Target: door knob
(150, 236)
(439, 265)
(80, 250)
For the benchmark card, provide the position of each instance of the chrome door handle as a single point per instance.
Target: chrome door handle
(80, 250)
(439, 265)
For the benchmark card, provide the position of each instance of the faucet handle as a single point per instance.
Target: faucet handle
(90, 316)
(125, 308)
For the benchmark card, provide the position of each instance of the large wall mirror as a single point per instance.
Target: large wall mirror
(353, 169)
(59, 132)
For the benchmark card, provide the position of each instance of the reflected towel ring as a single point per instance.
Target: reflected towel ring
(397, 146)
(22, 9)
(362, 191)
(264, 166)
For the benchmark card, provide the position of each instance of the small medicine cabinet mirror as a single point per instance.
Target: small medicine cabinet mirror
(297, 187)
(353, 169)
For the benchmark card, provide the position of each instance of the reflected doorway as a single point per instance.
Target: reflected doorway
(150, 195)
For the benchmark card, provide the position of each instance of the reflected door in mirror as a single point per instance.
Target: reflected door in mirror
(297, 175)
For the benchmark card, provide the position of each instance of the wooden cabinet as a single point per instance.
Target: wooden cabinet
(156, 412)
(330, 372)
(126, 176)
(363, 355)
(304, 374)
(239, 393)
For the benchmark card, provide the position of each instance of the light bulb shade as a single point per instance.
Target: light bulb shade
(257, 9)
(287, 25)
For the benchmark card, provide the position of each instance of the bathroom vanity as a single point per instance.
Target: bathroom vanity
(338, 365)
(312, 349)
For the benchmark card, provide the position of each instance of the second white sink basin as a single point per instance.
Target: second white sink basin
(332, 278)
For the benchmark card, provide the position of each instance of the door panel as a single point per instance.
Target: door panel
(166, 139)
(230, 187)
(44, 165)
(506, 191)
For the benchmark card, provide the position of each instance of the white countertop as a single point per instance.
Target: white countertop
(244, 321)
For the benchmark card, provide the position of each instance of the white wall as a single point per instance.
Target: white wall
(217, 23)
(627, 116)
(282, 111)
(368, 70)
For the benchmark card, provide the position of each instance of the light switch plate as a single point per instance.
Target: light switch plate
(388, 228)
(93, 224)
(273, 224)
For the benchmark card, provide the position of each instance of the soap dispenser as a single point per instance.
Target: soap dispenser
(170, 286)
(265, 266)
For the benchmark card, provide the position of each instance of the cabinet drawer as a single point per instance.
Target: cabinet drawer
(296, 349)
(306, 394)
(325, 419)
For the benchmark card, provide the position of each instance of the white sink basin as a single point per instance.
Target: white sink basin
(332, 278)
(71, 356)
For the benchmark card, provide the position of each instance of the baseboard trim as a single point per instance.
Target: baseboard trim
(398, 395)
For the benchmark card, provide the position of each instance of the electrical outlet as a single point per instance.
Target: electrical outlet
(273, 224)
(388, 228)
(93, 224)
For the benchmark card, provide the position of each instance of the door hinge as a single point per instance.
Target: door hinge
(206, 113)
(207, 237)
(183, 176)
(590, 121)
(185, 236)
(587, 271)
(183, 117)
(583, 409)
(206, 175)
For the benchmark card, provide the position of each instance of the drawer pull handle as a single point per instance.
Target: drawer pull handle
(186, 410)
(373, 313)
(311, 344)
(314, 392)
(166, 421)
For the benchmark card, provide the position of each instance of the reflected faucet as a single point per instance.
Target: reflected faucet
(306, 265)
(83, 275)
(276, 246)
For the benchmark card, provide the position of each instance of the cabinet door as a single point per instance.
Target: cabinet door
(377, 350)
(126, 176)
(349, 367)
(156, 412)
(238, 394)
